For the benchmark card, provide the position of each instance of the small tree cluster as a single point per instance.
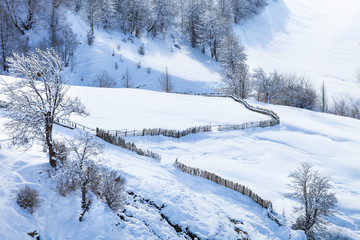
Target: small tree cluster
(84, 174)
(346, 106)
(104, 80)
(28, 199)
(289, 90)
(166, 83)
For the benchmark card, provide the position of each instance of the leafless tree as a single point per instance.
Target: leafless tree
(166, 83)
(126, 78)
(37, 99)
(113, 189)
(82, 172)
(312, 191)
(23, 14)
(323, 96)
(104, 80)
(267, 87)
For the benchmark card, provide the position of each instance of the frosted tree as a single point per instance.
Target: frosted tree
(93, 16)
(23, 14)
(163, 12)
(134, 15)
(313, 193)
(37, 99)
(85, 173)
(213, 28)
(193, 10)
(267, 87)
(108, 12)
(166, 83)
(7, 37)
(68, 45)
(126, 79)
(235, 73)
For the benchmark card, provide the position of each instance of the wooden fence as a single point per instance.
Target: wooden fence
(119, 141)
(72, 125)
(275, 120)
(224, 182)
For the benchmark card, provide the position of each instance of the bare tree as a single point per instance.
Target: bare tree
(267, 87)
(312, 191)
(104, 80)
(113, 189)
(81, 173)
(324, 101)
(166, 83)
(23, 14)
(126, 78)
(37, 99)
(235, 72)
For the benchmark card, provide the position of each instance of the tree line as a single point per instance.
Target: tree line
(26, 25)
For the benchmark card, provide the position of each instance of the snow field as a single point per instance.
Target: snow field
(189, 69)
(202, 206)
(116, 109)
(316, 39)
(261, 159)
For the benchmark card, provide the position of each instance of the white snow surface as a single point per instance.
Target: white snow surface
(258, 158)
(204, 207)
(121, 108)
(189, 70)
(262, 159)
(317, 39)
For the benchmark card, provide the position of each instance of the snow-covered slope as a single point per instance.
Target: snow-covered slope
(206, 209)
(116, 109)
(189, 69)
(262, 158)
(318, 39)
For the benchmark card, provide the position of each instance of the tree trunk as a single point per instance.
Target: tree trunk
(49, 142)
(3, 47)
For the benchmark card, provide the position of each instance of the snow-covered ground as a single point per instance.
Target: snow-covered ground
(189, 69)
(202, 206)
(262, 158)
(317, 39)
(116, 109)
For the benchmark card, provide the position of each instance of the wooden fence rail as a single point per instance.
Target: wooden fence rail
(119, 141)
(224, 182)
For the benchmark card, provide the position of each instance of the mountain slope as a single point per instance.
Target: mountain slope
(317, 39)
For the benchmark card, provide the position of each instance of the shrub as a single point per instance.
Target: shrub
(141, 50)
(62, 152)
(113, 186)
(90, 38)
(103, 79)
(28, 199)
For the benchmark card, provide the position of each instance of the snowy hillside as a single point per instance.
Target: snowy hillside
(318, 39)
(191, 71)
(163, 195)
(157, 109)
(263, 158)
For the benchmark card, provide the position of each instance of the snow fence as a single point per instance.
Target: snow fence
(224, 182)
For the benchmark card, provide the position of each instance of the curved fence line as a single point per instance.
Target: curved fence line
(119, 141)
(275, 120)
(224, 182)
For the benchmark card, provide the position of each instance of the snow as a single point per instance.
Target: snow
(202, 206)
(138, 109)
(317, 39)
(261, 159)
(189, 69)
